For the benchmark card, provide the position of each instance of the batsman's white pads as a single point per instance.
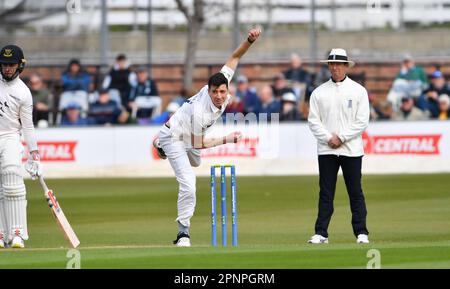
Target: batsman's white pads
(15, 202)
(16, 210)
(3, 223)
(34, 168)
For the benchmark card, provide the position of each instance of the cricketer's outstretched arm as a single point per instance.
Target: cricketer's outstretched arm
(201, 142)
(233, 61)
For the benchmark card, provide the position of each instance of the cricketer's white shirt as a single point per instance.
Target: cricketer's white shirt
(341, 108)
(198, 114)
(16, 111)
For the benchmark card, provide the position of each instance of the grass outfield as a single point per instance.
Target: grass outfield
(129, 223)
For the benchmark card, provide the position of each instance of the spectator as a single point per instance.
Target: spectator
(184, 95)
(428, 101)
(324, 73)
(383, 110)
(408, 111)
(269, 104)
(289, 111)
(444, 107)
(248, 95)
(412, 72)
(121, 78)
(300, 78)
(280, 86)
(75, 78)
(164, 116)
(144, 87)
(106, 111)
(71, 116)
(436, 67)
(410, 81)
(297, 73)
(42, 99)
(235, 105)
(373, 113)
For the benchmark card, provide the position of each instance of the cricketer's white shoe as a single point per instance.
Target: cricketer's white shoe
(362, 239)
(2, 244)
(17, 242)
(183, 240)
(318, 239)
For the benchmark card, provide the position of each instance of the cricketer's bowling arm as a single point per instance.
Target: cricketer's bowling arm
(202, 142)
(233, 61)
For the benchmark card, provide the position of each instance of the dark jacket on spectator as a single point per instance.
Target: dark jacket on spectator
(278, 92)
(273, 107)
(81, 81)
(148, 88)
(250, 99)
(292, 115)
(426, 103)
(120, 79)
(104, 113)
(298, 75)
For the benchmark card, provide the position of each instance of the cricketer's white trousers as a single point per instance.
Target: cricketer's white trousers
(182, 160)
(13, 203)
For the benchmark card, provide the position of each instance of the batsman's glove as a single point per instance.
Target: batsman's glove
(34, 166)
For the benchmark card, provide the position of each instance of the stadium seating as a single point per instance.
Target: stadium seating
(150, 104)
(69, 97)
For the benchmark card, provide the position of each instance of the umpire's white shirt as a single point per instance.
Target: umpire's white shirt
(198, 114)
(16, 111)
(341, 108)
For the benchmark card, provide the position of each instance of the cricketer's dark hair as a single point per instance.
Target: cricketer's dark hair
(217, 80)
(121, 57)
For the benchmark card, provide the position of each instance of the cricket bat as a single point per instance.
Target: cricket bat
(59, 215)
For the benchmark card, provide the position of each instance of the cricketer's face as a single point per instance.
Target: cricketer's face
(8, 69)
(338, 70)
(218, 94)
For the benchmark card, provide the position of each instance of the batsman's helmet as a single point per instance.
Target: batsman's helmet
(12, 54)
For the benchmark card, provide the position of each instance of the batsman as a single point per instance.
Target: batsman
(16, 108)
(182, 137)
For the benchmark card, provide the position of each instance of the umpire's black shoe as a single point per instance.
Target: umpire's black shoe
(183, 240)
(159, 149)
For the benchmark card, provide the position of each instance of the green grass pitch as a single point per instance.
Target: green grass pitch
(130, 223)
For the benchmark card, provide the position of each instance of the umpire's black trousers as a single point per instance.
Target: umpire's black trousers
(351, 169)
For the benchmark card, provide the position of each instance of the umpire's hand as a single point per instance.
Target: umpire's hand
(335, 142)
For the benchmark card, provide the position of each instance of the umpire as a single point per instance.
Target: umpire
(339, 114)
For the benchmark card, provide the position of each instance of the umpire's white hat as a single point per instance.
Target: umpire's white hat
(338, 55)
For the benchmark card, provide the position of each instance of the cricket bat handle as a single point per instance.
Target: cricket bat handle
(43, 184)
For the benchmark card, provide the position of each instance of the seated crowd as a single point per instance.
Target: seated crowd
(414, 95)
(130, 96)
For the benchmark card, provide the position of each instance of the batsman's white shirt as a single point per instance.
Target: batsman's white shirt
(341, 108)
(195, 117)
(16, 111)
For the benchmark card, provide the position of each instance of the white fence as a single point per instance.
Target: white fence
(285, 149)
